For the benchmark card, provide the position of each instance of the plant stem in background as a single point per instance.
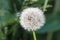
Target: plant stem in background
(5, 34)
(50, 35)
(45, 4)
(34, 35)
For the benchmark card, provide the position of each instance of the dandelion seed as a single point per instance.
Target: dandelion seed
(32, 19)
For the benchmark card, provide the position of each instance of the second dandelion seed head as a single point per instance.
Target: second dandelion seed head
(32, 19)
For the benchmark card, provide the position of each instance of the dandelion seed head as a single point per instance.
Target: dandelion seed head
(32, 19)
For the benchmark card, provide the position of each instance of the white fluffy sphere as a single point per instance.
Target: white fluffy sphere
(32, 19)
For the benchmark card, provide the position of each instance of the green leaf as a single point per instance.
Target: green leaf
(6, 13)
(6, 18)
(52, 20)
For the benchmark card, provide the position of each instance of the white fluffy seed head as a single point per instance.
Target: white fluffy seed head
(32, 19)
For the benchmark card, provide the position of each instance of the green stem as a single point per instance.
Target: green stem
(34, 35)
(45, 4)
(49, 36)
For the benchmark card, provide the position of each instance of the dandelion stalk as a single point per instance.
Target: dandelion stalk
(45, 4)
(34, 35)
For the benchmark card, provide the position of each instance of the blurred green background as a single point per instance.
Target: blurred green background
(10, 28)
